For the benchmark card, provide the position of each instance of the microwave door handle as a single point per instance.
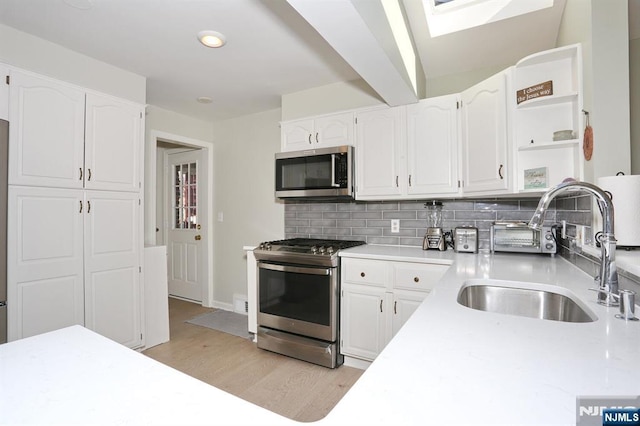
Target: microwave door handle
(333, 171)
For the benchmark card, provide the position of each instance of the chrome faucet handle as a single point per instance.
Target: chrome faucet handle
(615, 297)
(626, 301)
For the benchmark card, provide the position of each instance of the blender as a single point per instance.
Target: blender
(434, 238)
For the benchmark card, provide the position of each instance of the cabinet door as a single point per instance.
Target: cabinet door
(46, 133)
(380, 169)
(363, 321)
(484, 136)
(4, 93)
(432, 146)
(405, 304)
(44, 260)
(112, 266)
(113, 144)
(297, 135)
(334, 130)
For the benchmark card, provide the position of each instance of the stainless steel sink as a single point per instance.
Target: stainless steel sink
(523, 299)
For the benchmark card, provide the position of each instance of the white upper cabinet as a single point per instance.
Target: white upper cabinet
(408, 152)
(319, 132)
(4, 92)
(380, 157)
(432, 146)
(112, 144)
(57, 142)
(548, 99)
(484, 137)
(46, 132)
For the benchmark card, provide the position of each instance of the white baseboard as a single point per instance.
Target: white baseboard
(356, 363)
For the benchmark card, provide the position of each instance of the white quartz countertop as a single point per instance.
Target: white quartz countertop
(447, 365)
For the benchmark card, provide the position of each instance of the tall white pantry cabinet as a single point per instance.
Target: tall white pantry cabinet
(74, 223)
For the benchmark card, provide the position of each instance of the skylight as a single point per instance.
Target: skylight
(448, 16)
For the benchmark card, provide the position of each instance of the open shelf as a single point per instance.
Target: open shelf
(548, 100)
(549, 145)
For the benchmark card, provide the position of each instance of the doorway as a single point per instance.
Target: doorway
(182, 169)
(185, 202)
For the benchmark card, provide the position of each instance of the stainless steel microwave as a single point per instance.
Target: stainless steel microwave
(315, 173)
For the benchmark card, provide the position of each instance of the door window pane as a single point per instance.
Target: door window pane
(185, 196)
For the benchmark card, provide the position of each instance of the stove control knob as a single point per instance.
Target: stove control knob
(267, 246)
(314, 249)
(330, 250)
(322, 249)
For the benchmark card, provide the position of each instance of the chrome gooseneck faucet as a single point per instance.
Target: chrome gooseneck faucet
(608, 286)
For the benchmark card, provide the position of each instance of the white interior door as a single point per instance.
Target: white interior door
(185, 235)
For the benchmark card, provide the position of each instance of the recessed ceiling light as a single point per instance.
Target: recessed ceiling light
(212, 38)
(204, 100)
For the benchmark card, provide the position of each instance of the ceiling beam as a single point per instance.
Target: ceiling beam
(358, 32)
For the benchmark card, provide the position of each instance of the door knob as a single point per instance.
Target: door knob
(198, 237)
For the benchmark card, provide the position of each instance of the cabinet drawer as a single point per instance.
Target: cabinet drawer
(360, 271)
(414, 276)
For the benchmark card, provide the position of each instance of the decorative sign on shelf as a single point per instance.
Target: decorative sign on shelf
(528, 93)
(535, 178)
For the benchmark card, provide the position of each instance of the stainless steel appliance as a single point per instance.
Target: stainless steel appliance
(316, 173)
(299, 298)
(518, 237)
(434, 239)
(4, 165)
(465, 239)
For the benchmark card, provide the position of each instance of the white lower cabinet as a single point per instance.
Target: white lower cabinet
(378, 297)
(74, 258)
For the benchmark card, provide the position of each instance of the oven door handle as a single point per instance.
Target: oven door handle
(295, 269)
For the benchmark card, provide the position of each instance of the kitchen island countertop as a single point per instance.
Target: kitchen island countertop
(448, 365)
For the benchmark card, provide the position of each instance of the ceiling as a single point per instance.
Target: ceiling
(271, 50)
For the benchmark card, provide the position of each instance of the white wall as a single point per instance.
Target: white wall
(244, 194)
(602, 28)
(328, 99)
(25, 51)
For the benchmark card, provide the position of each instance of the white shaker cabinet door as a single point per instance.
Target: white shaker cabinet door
(112, 266)
(4, 92)
(380, 161)
(297, 135)
(334, 130)
(363, 321)
(405, 304)
(113, 144)
(45, 260)
(46, 133)
(484, 136)
(432, 146)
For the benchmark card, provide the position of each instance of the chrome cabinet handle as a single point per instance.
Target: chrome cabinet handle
(395, 306)
(88, 174)
(317, 141)
(80, 207)
(500, 171)
(409, 180)
(380, 305)
(396, 181)
(88, 206)
(80, 178)
(309, 138)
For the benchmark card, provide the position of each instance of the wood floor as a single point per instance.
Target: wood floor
(292, 388)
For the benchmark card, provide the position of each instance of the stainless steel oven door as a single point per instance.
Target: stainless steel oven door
(299, 299)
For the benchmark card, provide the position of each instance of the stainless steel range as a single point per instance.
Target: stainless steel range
(299, 298)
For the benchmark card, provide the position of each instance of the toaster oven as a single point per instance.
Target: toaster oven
(518, 237)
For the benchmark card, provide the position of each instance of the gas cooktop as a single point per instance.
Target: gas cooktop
(306, 251)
